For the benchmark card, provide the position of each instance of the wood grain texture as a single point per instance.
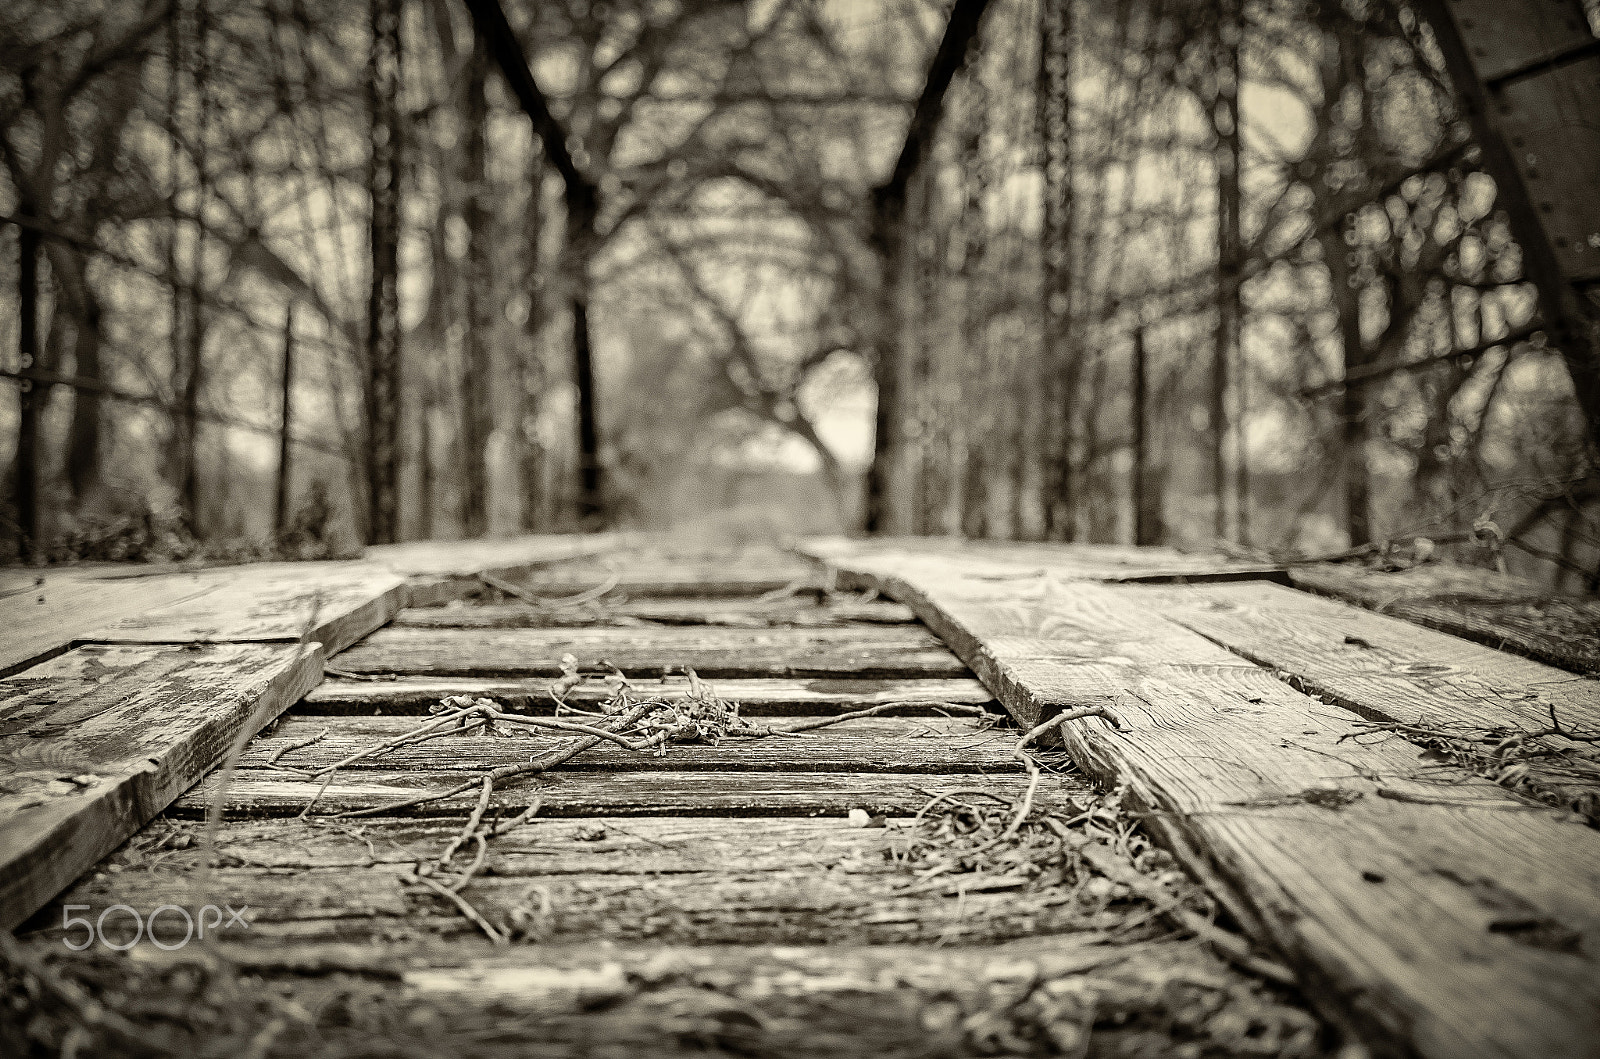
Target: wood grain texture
(504, 555)
(48, 611)
(440, 571)
(44, 612)
(1507, 613)
(340, 602)
(837, 1001)
(756, 696)
(729, 612)
(876, 744)
(895, 724)
(97, 741)
(1009, 621)
(1379, 665)
(1391, 670)
(1081, 562)
(1437, 911)
(714, 653)
(663, 793)
(700, 881)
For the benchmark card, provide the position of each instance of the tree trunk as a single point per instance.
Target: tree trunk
(888, 237)
(1147, 529)
(194, 351)
(1060, 362)
(83, 453)
(1352, 399)
(425, 504)
(30, 397)
(181, 427)
(581, 240)
(477, 413)
(888, 216)
(975, 304)
(1230, 311)
(383, 316)
(1343, 65)
(531, 382)
(280, 508)
(918, 281)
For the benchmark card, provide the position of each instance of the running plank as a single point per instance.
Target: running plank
(1450, 914)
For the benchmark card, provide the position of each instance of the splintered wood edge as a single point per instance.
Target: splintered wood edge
(44, 850)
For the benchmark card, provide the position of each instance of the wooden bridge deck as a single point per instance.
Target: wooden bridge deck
(1322, 770)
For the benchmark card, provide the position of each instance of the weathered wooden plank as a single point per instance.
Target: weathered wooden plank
(55, 608)
(1391, 670)
(97, 741)
(47, 612)
(529, 977)
(1508, 613)
(504, 556)
(577, 793)
(648, 569)
(683, 880)
(678, 582)
(582, 846)
(730, 612)
(756, 697)
(906, 745)
(715, 906)
(440, 571)
(1379, 665)
(909, 724)
(716, 653)
(802, 609)
(1008, 620)
(1430, 908)
(1007, 560)
(581, 999)
(333, 603)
